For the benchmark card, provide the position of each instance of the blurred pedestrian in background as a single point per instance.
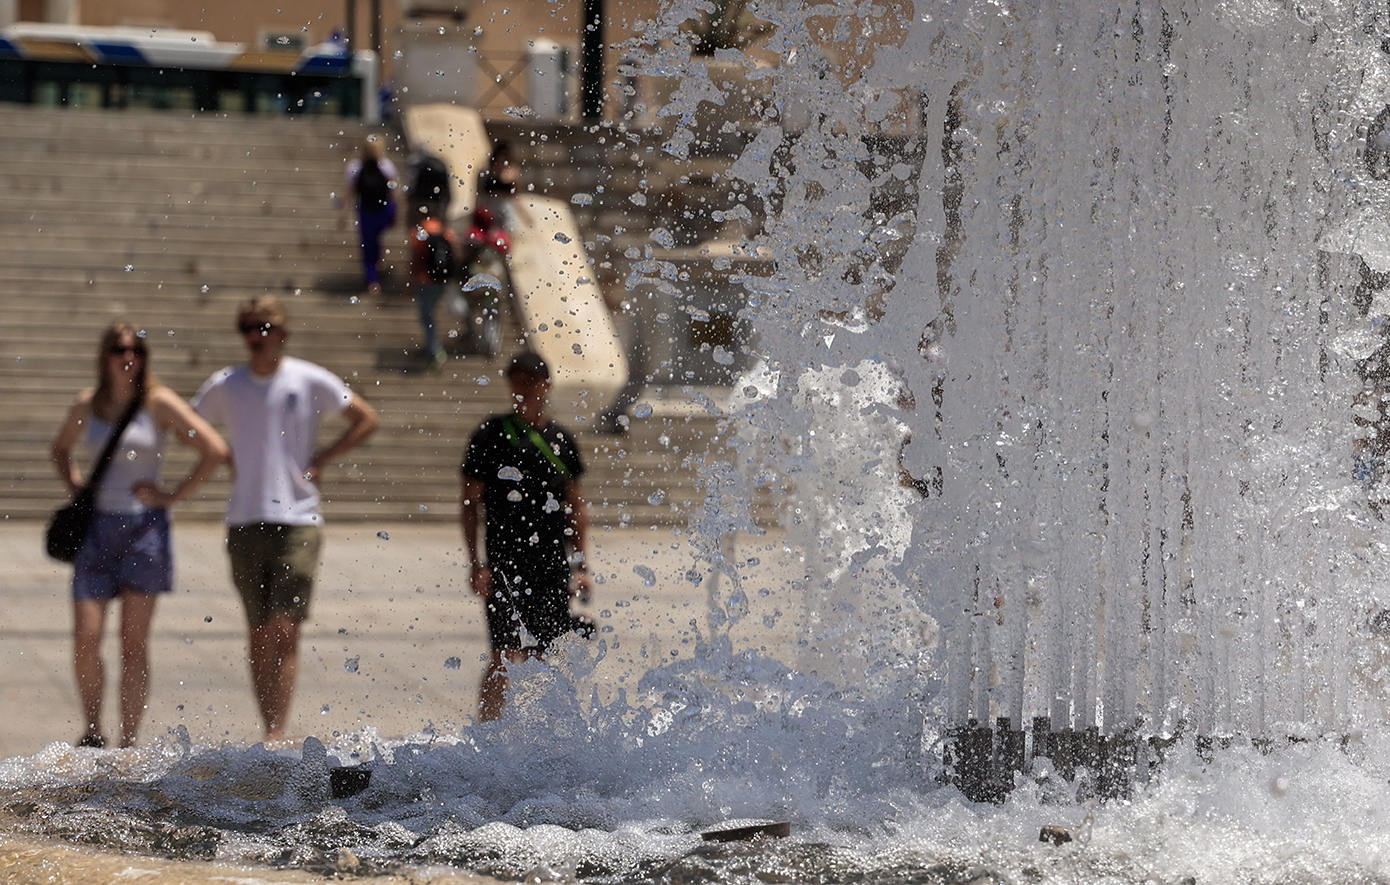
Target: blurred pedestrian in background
(434, 267)
(369, 183)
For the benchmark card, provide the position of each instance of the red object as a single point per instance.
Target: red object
(497, 238)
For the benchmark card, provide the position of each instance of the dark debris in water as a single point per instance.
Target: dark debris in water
(770, 829)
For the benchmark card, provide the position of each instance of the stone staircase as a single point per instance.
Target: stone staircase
(170, 221)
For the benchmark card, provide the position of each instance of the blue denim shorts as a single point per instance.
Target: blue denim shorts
(125, 551)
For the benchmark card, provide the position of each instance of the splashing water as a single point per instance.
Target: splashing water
(1070, 314)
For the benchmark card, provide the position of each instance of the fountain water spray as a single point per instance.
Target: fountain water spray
(1122, 304)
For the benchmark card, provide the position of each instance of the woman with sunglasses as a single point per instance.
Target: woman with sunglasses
(127, 552)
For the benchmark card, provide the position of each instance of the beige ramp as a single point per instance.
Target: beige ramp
(558, 302)
(459, 137)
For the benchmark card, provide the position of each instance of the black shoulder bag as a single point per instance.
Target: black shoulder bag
(68, 527)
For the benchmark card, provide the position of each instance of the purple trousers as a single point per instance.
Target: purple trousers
(371, 224)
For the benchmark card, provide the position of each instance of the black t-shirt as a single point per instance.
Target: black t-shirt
(526, 516)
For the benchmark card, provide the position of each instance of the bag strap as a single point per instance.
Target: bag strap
(103, 462)
(514, 433)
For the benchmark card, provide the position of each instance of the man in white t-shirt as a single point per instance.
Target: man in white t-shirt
(270, 408)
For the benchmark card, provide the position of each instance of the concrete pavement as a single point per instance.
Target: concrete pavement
(395, 640)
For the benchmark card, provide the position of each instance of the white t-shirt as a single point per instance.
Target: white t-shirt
(272, 424)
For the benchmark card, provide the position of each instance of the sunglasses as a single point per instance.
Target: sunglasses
(123, 349)
(262, 328)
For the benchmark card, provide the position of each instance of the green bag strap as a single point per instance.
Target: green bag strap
(510, 424)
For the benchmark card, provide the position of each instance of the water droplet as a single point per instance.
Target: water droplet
(514, 496)
(582, 199)
(205, 288)
(509, 473)
(323, 709)
(192, 434)
(481, 281)
(694, 577)
(551, 505)
(579, 350)
(383, 536)
(452, 663)
(129, 268)
(350, 664)
(647, 575)
(208, 619)
(561, 238)
(424, 509)
(656, 497)
(642, 410)
(132, 455)
(483, 381)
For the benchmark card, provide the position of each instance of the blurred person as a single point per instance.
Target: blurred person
(498, 209)
(431, 187)
(521, 475)
(488, 244)
(271, 407)
(370, 180)
(434, 264)
(126, 554)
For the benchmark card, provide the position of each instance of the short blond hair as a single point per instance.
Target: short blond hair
(264, 308)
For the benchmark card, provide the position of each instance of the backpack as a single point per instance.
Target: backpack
(439, 258)
(373, 190)
(431, 180)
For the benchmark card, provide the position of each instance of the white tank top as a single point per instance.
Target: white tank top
(138, 458)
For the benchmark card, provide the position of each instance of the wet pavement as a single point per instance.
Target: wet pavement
(395, 640)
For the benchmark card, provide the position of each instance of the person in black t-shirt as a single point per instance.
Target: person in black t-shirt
(522, 471)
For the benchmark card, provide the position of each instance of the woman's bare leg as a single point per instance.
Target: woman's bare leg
(137, 614)
(89, 619)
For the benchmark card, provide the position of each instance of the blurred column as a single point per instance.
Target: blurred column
(591, 76)
(64, 12)
(376, 27)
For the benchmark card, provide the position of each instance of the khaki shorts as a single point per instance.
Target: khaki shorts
(273, 568)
